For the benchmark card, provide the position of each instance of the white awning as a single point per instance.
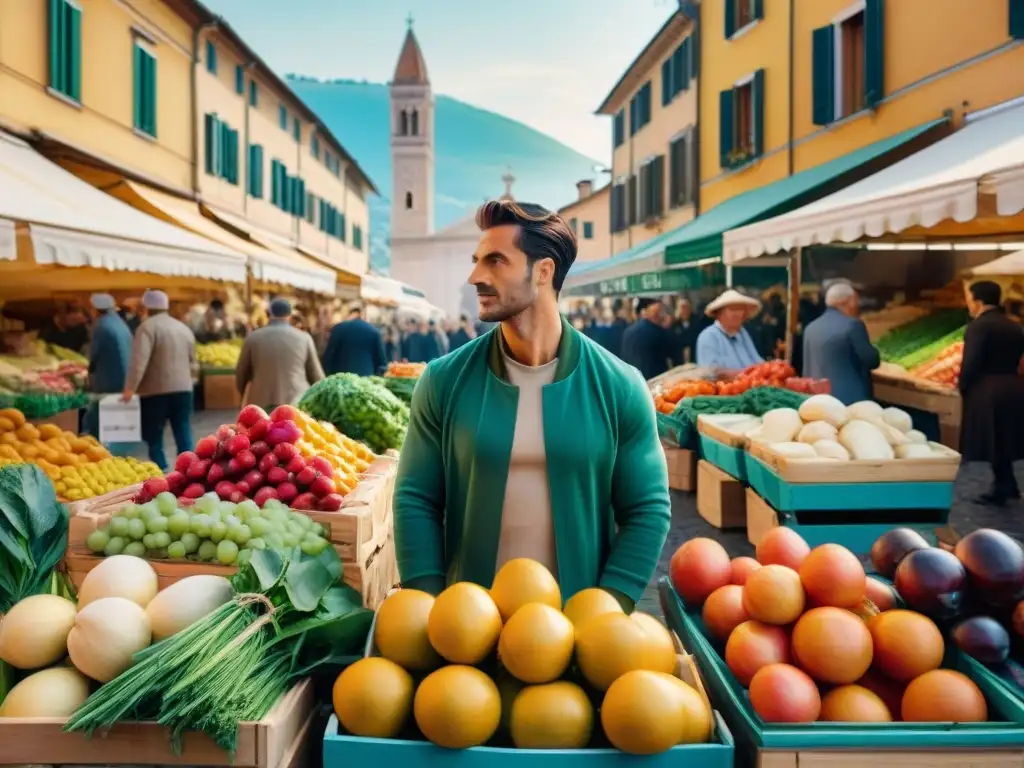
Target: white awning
(8, 242)
(942, 181)
(72, 224)
(1011, 264)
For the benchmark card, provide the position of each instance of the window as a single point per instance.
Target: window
(652, 189)
(414, 122)
(311, 208)
(847, 63)
(297, 197)
(314, 147)
(254, 181)
(221, 156)
(1017, 19)
(618, 207)
(741, 122)
(66, 48)
(403, 127)
(631, 201)
(254, 94)
(675, 72)
(282, 117)
(640, 108)
(619, 128)
(278, 176)
(297, 129)
(408, 201)
(740, 14)
(332, 221)
(588, 230)
(211, 57)
(357, 237)
(682, 161)
(144, 78)
(239, 80)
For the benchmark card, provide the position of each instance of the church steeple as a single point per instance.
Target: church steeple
(412, 67)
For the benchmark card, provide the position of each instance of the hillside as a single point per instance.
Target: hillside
(474, 149)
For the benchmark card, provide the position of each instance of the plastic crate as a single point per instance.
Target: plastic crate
(726, 458)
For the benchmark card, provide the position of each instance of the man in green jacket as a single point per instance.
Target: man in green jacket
(531, 440)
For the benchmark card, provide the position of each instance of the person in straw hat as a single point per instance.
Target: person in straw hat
(726, 344)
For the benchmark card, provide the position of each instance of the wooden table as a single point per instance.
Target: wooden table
(892, 385)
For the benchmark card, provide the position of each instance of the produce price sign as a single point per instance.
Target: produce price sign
(120, 422)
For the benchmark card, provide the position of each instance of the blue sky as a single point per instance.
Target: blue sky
(547, 63)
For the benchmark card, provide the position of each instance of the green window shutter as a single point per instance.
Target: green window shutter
(342, 227)
(757, 108)
(56, 22)
(210, 143)
(1016, 19)
(254, 94)
(282, 118)
(666, 80)
(725, 126)
(274, 192)
(137, 94)
(211, 57)
(684, 65)
(233, 156)
(74, 52)
(259, 171)
(730, 18)
(223, 149)
(694, 57)
(874, 52)
(823, 75)
(757, 9)
(679, 68)
(297, 129)
(239, 80)
(149, 102)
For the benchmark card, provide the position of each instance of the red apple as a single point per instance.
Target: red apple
(216, 473)
(225, 432)
(283, 413)
(207, 447)
(194, 491)
(268, 462)
(243, 488)
(224, 489)
(264, 494)
(237, 497)
(286, 451)
(321, 465)
(277, 475)
(184, 460)
(141, 497)
(258, 431)
(331, 503)
(287, 491)
(322, 487)
(259, 449)
(306, 501)
(306, 476)
(247, 459)
(176, 482)
(236, 444)
(296, 464)
(250, 415)
(254, 479)
(155, 486)
(197, 469)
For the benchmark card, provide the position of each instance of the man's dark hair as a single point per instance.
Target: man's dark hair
(642, 304)
(355, 311)
(987, 292)
(217, 305)
(542, 234)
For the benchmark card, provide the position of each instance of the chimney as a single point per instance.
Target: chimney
(585, 188)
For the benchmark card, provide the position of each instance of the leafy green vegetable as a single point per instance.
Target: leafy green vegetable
(400, 386)
(680, 428)
(360, 408)
(906, 339)
(33, 533)
(43, 405)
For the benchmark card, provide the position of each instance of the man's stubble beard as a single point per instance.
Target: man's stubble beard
(523, 298)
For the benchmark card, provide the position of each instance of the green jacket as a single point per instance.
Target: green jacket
(606, 469)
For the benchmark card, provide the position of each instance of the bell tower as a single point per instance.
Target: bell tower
(412, 143)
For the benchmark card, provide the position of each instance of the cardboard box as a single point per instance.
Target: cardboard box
(720, 497)
(682, 468)
(220, 392)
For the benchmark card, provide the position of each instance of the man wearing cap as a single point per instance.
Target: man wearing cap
(161, 373)
(725, 344)
(647, 344)
(108, 356)
(278, 362)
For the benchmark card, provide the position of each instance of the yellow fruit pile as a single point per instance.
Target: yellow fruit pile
(218, 354)
(538, 692)
(104, 476)
(349, 457)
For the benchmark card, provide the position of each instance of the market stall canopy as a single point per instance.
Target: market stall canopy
(8, 241)
(1011, 264)
(701, 239)
(940, 182)
(72, 224)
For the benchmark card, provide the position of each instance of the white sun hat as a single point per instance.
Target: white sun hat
(733, 298)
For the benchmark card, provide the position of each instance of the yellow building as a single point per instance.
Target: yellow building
(589, 218)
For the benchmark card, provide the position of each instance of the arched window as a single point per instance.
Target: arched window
(405, 124)
(408, 201)
(415, 123)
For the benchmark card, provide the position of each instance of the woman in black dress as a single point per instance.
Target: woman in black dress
(993, 391)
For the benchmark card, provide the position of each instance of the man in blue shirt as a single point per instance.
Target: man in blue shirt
(725, 344)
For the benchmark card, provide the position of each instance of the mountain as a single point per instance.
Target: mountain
(474, 149)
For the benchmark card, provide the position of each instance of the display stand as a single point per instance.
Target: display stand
(220, 392)
(906, 392)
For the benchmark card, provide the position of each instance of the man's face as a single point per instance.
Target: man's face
(732, 318)
(685, 310)
(505, 284)
(852, 306)
(655, 313)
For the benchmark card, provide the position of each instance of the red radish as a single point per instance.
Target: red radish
(258, 431)
(285, 452)
(237, 497)
(247, 459)
(250, 415)
(235, 466)
(268, 462)
(321, 465)
(224, 489)
(198, 469)
(306, 476)
(264, 494)
(259, 449)
(254, 479)
(225, 432)
(216, 473)
(184, 460)
(331, 503)
(296, 465)
(207, 447)
(176, 482)
(194, 491)
(235, 445)
(277, 475)
(322, 487)
(243, 488)
(305, 501)
(283, 413)
(155, 486)
(283, 432)
(287, 491)
(141, 497)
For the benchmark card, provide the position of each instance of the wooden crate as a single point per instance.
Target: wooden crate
(761, 518)
(65, 420)
(720, 498)
(942, 469)
(220, 392)
(682, 468)
(901, 389)
(1006, 757)
(283, 739)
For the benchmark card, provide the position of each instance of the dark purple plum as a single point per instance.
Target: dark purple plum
(984, 638)
(932, 582)
(892, 546)
(995, 566)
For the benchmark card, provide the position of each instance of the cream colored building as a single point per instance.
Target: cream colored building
(589, 218)
(654, 138)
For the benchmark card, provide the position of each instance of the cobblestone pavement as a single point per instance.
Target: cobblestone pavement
(965, 515)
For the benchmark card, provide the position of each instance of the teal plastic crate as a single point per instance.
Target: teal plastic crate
(856, 537)
(730, 698)
(794, 497)
(343, 751)
(728, 459)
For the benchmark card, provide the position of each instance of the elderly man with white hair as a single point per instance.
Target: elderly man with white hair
(837, 347)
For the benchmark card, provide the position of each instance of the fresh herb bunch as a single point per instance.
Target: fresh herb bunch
(289, 617)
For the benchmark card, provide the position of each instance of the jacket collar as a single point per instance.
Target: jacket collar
(568, 352)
